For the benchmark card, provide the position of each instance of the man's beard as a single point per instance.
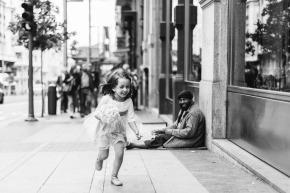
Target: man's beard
(184, 107)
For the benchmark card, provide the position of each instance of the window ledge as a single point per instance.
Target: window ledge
(271, 94)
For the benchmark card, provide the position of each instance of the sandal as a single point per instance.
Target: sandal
(115, 181)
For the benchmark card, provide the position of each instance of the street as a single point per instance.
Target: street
(15, 108)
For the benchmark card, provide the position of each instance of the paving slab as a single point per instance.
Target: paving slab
(32, 174)
(98, 180)
(133, 174)
(31, 169)
(168, 175)
(220, 175)
(73, 174)
(16, 162)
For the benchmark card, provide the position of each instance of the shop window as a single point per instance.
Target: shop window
(193, 72)
(266, 61)
(174, 41)
(172, 67)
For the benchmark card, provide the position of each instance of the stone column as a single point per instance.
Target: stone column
(213, 84)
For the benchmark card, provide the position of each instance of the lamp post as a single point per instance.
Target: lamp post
(65, 33)
(89, 48)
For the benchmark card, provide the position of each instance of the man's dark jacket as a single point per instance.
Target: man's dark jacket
(189, 132)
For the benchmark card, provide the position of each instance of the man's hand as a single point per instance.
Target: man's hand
(158, 131)
(138, 136)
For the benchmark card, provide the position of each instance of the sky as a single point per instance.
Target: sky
(102, 14)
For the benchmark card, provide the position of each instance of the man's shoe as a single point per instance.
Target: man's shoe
(99, 165)
(115, 181)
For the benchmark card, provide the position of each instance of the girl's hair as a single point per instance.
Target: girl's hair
(112, 82)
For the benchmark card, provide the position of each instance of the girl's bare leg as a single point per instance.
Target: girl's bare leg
(119, 154)
(102, 155)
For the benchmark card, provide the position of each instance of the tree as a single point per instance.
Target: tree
(49, 33)
(273, 35)
(275, 30)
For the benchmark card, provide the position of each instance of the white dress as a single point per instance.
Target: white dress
(109, 134)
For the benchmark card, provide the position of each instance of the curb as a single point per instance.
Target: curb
(252, 164)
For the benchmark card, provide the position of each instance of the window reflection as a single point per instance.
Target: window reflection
(173, 55)
(268, 44)
(194, 69)
(174, 41)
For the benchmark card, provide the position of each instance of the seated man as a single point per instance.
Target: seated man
(188, 131)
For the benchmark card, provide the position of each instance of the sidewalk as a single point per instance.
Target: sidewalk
(58, 157)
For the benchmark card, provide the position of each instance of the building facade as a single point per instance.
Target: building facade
(234, 56)
(7, 56)
(14, 59)
(51, 67)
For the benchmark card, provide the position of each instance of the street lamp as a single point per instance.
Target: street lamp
(65, 33)
(89, 52)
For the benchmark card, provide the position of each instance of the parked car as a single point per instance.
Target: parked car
(1, 96)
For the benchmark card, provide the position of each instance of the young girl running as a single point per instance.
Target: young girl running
(117, 93)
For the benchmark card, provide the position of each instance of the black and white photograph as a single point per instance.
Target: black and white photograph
(144, 96)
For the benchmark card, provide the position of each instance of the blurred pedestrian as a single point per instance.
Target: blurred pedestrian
(74, 82)
(86, 90)
(62, 90)
(96, 83)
